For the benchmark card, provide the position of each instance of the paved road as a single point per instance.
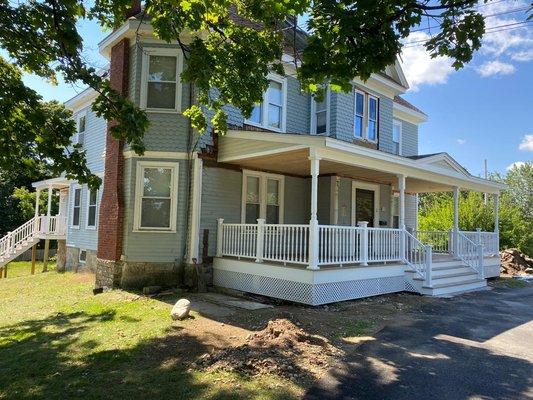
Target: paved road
(478, 345)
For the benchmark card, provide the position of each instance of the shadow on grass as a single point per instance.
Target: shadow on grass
(48, 359)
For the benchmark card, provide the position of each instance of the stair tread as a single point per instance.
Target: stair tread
(444, 285)
(434, 277)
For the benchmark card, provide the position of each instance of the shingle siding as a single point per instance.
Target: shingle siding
(385, 124)
(409, 139)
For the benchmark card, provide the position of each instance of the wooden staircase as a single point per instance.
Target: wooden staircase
(17, 242)
(448, 276)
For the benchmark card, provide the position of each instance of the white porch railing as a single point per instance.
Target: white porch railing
(340, 245)
(54, 225)
(470, 253)
(419, 257)
(489, 240)
(440, 241)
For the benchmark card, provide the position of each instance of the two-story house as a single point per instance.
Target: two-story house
(313, 202)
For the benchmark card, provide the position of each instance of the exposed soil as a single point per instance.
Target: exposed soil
(515, 263)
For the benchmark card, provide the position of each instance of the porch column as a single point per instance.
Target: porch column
(313, 223)
(496, 213)
(455, 228)
(36, 215)
(401, 187)
(49, 208)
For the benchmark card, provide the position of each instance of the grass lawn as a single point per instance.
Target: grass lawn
(59, 341)
(22, 268)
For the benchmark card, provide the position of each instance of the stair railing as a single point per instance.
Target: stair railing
(418, 256)
(9, 243)
(470, 253)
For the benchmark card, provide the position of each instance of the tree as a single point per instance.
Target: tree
(516, 217)
(234, 44)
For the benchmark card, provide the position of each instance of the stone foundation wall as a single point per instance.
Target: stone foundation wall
(72, 260)
(61, 255)
(108, 274)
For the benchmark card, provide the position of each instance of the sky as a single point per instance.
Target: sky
(483, 111)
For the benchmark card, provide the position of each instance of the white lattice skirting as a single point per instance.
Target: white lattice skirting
(307, 293)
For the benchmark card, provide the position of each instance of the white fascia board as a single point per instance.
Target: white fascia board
(130, 29)
(405, 113)
(81, 100)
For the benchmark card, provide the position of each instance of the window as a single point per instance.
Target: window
(320, 115)
(92, 208)
(397, 137)
(82, 125)
(83, 256)
(156, 196)
(372, 133)
(262, 197)
(160, 80)
(359, 114)
(76, 209)
(270, 113)
(366, 116)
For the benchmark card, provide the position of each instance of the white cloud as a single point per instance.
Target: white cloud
(526, 55)
(461, 141)
(495, 67)
(420, 68)
(527, 143)
(516, 164)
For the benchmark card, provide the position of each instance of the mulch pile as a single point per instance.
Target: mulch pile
(282, 348)
(515, 263)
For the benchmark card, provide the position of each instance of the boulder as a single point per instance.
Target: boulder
(181, 309)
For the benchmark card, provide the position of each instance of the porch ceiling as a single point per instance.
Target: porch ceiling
(289, 154)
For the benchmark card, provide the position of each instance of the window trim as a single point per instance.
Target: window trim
(77, 187)
(397, 122)
(263, 179)
(79, 116)
(366, 115)
(153, 51)
(264, 106)
(97, 204)
(79, 256)
(314, 111)
(139, 184)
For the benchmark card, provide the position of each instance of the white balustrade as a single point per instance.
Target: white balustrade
(439, 240)
(384, 244)
(339, 244)
(489, 240)
(419, 257)
(286, 243)
(470, 253)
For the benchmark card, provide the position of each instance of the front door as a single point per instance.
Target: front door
(364, 206)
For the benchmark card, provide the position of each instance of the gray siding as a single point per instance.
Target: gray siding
(385, 192)
(298, 108)
(411, 210)
(344, 202)
(385, 124)
(409, 139)
(81, 237)
(154, 246)
(324, 200)
(297, 200)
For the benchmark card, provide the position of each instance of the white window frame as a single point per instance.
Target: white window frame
(264, 106)
(366, 115)
(314, 111)
(79, 116)
(397, 122)
(139, 189)
(79, 256)
(77, 187)
(263, 179)
(87, 226)
(152, 51)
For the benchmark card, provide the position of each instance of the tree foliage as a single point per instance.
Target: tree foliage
(516, 216)
(228, 45)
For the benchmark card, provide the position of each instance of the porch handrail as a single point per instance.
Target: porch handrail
(440, 241)
(470, 253)
(418, 256)
(9, 242)
(489, 240)
(340, 245)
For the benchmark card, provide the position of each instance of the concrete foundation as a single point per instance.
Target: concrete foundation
(61, 255)
(72, 260)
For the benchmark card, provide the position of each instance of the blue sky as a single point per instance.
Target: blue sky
(482, 111)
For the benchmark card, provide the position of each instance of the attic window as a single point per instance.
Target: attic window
(270, 113)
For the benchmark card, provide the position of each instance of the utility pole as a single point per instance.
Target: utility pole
(486, 195)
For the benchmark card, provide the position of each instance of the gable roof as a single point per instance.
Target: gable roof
(441, 160)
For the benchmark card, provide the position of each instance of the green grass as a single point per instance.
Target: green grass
(355, 329)
(515, 283)
(59, 341)
(23, 268)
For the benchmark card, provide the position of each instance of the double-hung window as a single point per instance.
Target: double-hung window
(160, 81)
(81, 127)
(76, 208)
(156, 194)
(320, 115)
(270, 113)
(366, 116)
(92, 208)
(262, 197)
(397, 137)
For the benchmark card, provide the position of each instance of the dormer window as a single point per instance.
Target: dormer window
(270, 113)
(160, 86)
(366, 116)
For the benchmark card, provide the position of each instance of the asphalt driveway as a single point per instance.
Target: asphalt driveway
(478, 345)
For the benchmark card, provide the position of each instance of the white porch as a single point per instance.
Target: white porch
(342, 262)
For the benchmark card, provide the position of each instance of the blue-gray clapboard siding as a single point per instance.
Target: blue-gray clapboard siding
(409, 139)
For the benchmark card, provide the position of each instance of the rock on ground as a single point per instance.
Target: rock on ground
(181, 309)
(515, 263)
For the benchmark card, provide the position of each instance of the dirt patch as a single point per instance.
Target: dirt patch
(515, 263)
(282, 348)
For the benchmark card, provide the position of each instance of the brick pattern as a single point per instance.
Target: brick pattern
(111, 221)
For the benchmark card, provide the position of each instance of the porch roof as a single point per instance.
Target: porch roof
(55, 183)
(289, 153)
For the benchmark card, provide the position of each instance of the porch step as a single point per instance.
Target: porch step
(451, 288)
